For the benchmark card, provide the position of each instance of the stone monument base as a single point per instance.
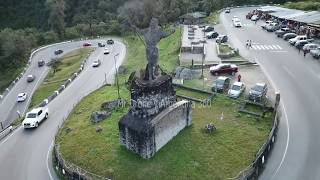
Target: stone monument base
(146, 136)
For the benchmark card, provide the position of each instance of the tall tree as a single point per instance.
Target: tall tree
(57, 16)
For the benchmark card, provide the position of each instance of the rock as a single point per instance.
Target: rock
(122, 70)
(99, 129)
(187, 74)
(99, 116)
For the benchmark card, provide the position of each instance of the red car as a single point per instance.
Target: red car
(86, 44)
(224, 69)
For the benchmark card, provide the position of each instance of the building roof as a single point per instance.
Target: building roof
(308, 17)
(283, 13)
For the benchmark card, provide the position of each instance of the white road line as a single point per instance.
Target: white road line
(274, 46)
(262, 47)
(6, 139)
(48, 161)
(270, 46)
(254, 47)
(259, 48)
(279, 51)
(266, 47)
(279, 47)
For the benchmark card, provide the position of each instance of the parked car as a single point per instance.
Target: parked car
(227, 10)
(58, 51)
(212, 35)
(234, 18)
(208, 28)
(221, 84)
(101, 44)
(293, 41)
(35, 117)
(236, 89)
(288, 36)
(224, 68)
(315, 53)
(106, 51)
(96, 63)
(301, 43)
(22, 97)
(30, 78)
(237, 23)
(254, 18)
(222, 39)
(282, 32)
(266, 24)
(86, 44)
(309, 47)
(272, 27)
(110, 41)
(41, 63)
(258, 92)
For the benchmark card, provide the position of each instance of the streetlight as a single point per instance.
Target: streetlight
(117, 80)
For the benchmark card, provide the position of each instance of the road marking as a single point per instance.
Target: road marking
(266, 47)
(279, 46)
(254, 47)
(274, 46)
(262, 47)
(270, 46)
(48, 156)
(279, 51)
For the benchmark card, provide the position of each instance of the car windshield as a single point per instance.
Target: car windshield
(258, 88)
(32, 115)
(236, 87)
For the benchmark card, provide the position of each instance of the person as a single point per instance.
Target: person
(299, 50)
(250, 44)
(247, 44)
(304, 53)
(239, 78)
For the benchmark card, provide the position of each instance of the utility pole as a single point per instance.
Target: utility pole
(117, 79)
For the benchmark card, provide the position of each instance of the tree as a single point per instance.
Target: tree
(56, 16)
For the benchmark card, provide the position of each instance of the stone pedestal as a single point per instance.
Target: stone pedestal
(155, 116)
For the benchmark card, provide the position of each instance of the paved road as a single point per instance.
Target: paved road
(25, 154)
(296, 153)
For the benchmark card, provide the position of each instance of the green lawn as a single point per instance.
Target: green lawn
(192, 154)
(188, 93)
(70, 63)
(213, 18)
(224, 48)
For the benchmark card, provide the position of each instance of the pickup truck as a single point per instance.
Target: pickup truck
(35, 117)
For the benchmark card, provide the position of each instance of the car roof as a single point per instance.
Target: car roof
(238, 83)
(21, 94)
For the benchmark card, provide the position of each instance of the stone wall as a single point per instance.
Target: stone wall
(170, 122)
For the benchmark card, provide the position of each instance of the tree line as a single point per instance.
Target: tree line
(26, 24)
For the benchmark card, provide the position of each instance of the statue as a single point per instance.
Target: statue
(152, 37)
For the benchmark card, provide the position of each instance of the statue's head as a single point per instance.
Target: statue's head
(154, 23)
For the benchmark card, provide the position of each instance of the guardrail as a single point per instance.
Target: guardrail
(13, 83)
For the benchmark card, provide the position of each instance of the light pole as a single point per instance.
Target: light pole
(117, 80)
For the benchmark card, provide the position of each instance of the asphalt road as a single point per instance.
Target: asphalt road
(25, 154)
(296, 153)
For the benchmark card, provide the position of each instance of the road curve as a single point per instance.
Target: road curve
(25, 154)
(295, 155)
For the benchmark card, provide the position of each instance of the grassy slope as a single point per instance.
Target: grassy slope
(70, 63)
(191, 155)
(7, 77)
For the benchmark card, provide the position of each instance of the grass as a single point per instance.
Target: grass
(224, 48)
(192, 154)
(70, 63)
(197, 95)
(308, 5)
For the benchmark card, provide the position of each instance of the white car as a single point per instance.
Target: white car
(22, 97)
(35, 117)
(106, 51)
(96, 63)
(234, 18)
(237, 23)
(236, 89)
(309, 47)
(254, 18)
(297, 38)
